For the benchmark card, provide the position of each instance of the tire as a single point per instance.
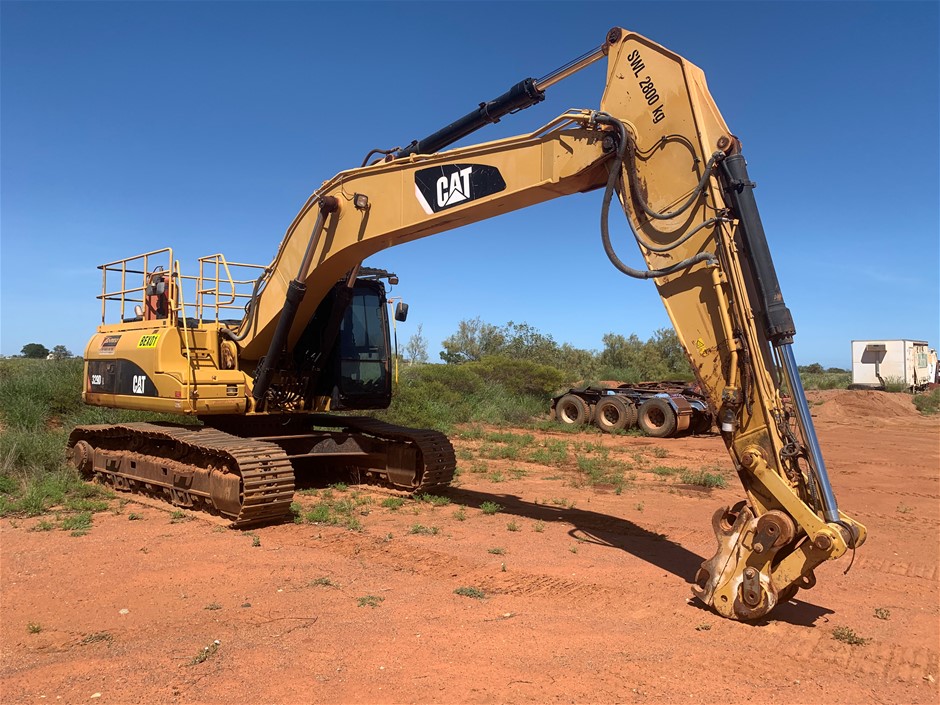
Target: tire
(701, 423)
(656, 418)
(613, 414)
(572, 410)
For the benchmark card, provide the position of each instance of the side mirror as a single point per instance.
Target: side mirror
(401, 311)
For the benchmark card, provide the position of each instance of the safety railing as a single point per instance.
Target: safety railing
(150, 286)
(224, 288)
(125, 284)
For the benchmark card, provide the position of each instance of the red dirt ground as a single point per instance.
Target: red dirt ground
(587, 602)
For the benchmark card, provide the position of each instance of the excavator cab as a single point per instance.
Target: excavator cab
(352, 324)
(363, 353)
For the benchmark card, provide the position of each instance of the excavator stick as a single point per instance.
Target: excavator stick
(683, 183)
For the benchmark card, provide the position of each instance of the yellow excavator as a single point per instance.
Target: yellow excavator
(260, 355)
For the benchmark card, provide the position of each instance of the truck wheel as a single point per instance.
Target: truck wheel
(701, 423)
(613, 414)
(656, 418)
(572, 410)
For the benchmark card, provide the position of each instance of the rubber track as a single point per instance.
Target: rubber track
(437, 453)
(267, 474)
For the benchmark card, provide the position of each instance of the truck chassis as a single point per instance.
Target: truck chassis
(659, 409)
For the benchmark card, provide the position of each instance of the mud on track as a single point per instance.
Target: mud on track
(586, 601)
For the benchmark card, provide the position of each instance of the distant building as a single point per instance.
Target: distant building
(879, 363)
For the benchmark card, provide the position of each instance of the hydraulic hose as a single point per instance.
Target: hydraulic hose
(655, 215)
(615, 174)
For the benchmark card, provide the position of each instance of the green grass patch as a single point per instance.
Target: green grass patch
(601, 471)
(435, 500)
(928, 403)
(490, 508)
(664, 471)
(552, 453)
(79, 524)
(702, 478)
(896, 384)
(322, 581)
(475, 593)
(338, 511)
(848, 636)
(826, 380)
(370, 601)
(500, 452)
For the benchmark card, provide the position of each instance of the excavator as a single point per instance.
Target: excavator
(261, 355)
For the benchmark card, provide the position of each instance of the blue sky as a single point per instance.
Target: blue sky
(126, 127)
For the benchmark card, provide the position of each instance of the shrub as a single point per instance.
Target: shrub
(702, 478)
(494, 390)
(490, 507)
(826, 380)
(928, 403)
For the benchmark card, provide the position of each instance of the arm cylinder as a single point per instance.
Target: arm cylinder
(740, 191)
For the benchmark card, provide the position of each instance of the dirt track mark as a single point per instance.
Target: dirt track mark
(903, 518)
(397, 554)
(881, 491)
(884, 661)
(423, 561)
(532, 585)
(885, 463)
(910, 570)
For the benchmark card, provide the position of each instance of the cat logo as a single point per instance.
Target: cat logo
(455, 189)
(448, 185)
(140, 382)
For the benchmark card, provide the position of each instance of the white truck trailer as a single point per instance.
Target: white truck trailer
(876, 363)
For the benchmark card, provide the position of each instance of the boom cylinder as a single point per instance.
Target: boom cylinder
(295, 294)
(522, 95)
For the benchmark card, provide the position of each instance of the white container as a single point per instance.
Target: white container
(876, 362)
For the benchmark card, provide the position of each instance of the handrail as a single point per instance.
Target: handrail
(218, 287)
(178, 305)
(211, 284)
(141, 264)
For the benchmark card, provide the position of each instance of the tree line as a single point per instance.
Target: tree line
(623, 358)
(38, 351)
